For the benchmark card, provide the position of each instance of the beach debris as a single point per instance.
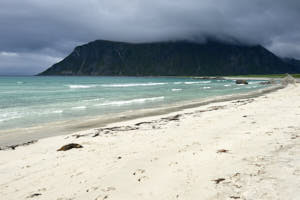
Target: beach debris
(222, 151)
(141, 123)
(96, 134)
(172, 118)
(34, 195)
(234, 197)
(79, 135)
(13, 147)
(241, 82)
(121, 128)
(119, 157)
(142, 178)
(69, 146)
(295, 137)
(219, 180)
(139, 171)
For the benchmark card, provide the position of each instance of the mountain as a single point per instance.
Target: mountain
(178, 58)
(292, 61)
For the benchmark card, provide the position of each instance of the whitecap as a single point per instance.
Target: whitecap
(190, 83)
(133, 101)
(79, 108)
(91, 100)
(206, 88)
(9, 116)
(196, 82)
(255, 82)
(227, 85)
(175, 89)
(57, 111)
(132, 84)
(81, 86)
(177, 83)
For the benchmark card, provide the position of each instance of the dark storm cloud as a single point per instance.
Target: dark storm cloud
(36, 33)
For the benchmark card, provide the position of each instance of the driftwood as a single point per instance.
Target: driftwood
(34, 195)
(69, 146)
(219, 180)
(222, 151)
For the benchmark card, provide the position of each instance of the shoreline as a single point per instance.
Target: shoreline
(24, 135)
(238, 149)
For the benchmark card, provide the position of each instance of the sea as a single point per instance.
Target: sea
(31, 101)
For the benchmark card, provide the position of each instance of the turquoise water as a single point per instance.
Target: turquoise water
(31, 101)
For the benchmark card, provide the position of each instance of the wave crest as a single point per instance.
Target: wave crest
(120, 103)
(81, 86)
(132, 84)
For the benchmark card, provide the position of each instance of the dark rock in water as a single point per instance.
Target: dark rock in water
(265, 83)
(69, 146)
(241, 82)
(272, 81)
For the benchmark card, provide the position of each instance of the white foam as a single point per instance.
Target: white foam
(132, 84)
(177, 83)
(9, 116)
(190, 83)
(205, 82)
(227, 85)
(254, 82)
(133, 101)
(81, 86)
(79, 108)
(91, 100)
(206, 88)
(175, 89)
(249, 87)
(196, 82)
(57, 111)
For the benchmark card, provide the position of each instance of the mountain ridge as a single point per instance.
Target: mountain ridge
(170, 58)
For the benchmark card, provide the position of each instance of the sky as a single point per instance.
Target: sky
(34, 34)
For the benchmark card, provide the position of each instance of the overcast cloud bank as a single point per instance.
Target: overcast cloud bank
(37, 33)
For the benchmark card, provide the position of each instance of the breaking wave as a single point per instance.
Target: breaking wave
(175, 89)
(132, 84)
(133, 101)
(81, 86)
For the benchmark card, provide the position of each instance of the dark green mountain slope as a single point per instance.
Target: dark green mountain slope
(179, 58)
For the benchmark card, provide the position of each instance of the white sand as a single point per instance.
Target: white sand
(170, 159)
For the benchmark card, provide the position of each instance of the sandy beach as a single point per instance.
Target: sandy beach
(240, 149)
